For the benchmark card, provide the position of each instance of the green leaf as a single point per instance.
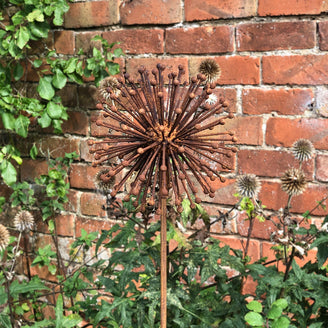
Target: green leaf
(33, 151)
(23, 37)
(254, 306)
(254, 319)
(37, 63)
(59, 311)
(8, 121)
(18, 71)
(21, 125)
(39, 30)
(275, 312)
(282, 322)
(5, 321)
(54, 110)
(281, 302)
(44, 120)
(59, 79)
(35, 15)
(9, 173)
(45, 88)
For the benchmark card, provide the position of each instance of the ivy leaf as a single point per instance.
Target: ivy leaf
(18, 72)
(45, 89)
(39, 30)
(54, 110)
(23, 37)
(8, 173)
(33, 152)
(44, 120)
(59, 79)
(21, 125)
(35, 15)
(8, 121)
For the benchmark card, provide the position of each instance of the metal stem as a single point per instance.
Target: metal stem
(163, 264)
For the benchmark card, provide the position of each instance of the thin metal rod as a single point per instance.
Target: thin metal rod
(163, 264)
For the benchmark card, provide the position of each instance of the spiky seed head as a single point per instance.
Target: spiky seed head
(293, 182)
(303, 149)
(103, 184)
(210, 69)
(23, 221)
(107, 87)
(4, 237)
(248, 185)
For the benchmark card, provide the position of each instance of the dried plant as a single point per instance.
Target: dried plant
(4, 237)
(303, 149)
(23, 221)
(163, 136)
(211, 69)
(248, 185)
(293, 182)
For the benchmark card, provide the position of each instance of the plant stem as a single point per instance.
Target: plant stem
(163, 264)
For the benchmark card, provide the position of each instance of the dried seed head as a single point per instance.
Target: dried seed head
(293, 182)
(210, 69)
(103, 185)
(108, 87)
(4, 237)
(212, 99)
(24, 221)
(303, 149)
(248, 185)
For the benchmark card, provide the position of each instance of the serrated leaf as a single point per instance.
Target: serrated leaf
(254, 319)
(45, 88)
(22, 37)
(21, 125)
(254, 306)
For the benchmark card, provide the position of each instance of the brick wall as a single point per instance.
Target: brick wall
(274, 62)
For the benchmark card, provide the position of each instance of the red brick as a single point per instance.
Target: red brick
(261, 230)
(224, 193)
(58, 146)
(322, 168)
(151, 12)
(72, 204)
(284, 132)
(230, 95)
(234, 69)
(85, 155)
(64, 42)
(275, 36)
(65, 225)
(91, 225)
(171, 65)
(40, 46)
(212, 9)
(92, 204)
(77, 123)
(31, 169)
(282, 101)
(297, 69)
(93, 13)
(291, 7)
(83, 41)
(274, 198)
(5, 191)
(68, 95)
(86, 96)
(323, 35)
(137, 41)
(82, 176)
(270, 163)
(199, 40)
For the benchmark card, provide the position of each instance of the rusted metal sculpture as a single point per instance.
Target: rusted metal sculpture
(165, 137)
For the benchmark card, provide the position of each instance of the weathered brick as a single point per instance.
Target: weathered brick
(297, 69)
(224, 193)
(270, 163)
(199, 40)
(31, 169)
(151, 12)
(73, 198)
(275, 36)
(40, 46)
(292, 7)
(284, 131)
(230, 95)
(92, 204)
(212, 9)
(77, 123)
(58, 146)
(68, 95)
(137, 41)
(84, 42)
(86, 95)
(323, 35)
(274, 198)
(93, 13)
(85, 155)
(282, 101)
(91, 225)
(65, 225)
(322, 168)
(234, 69)
(64, 42)
(171, 65)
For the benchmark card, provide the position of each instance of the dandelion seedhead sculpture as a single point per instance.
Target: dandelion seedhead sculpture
(164, 138)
